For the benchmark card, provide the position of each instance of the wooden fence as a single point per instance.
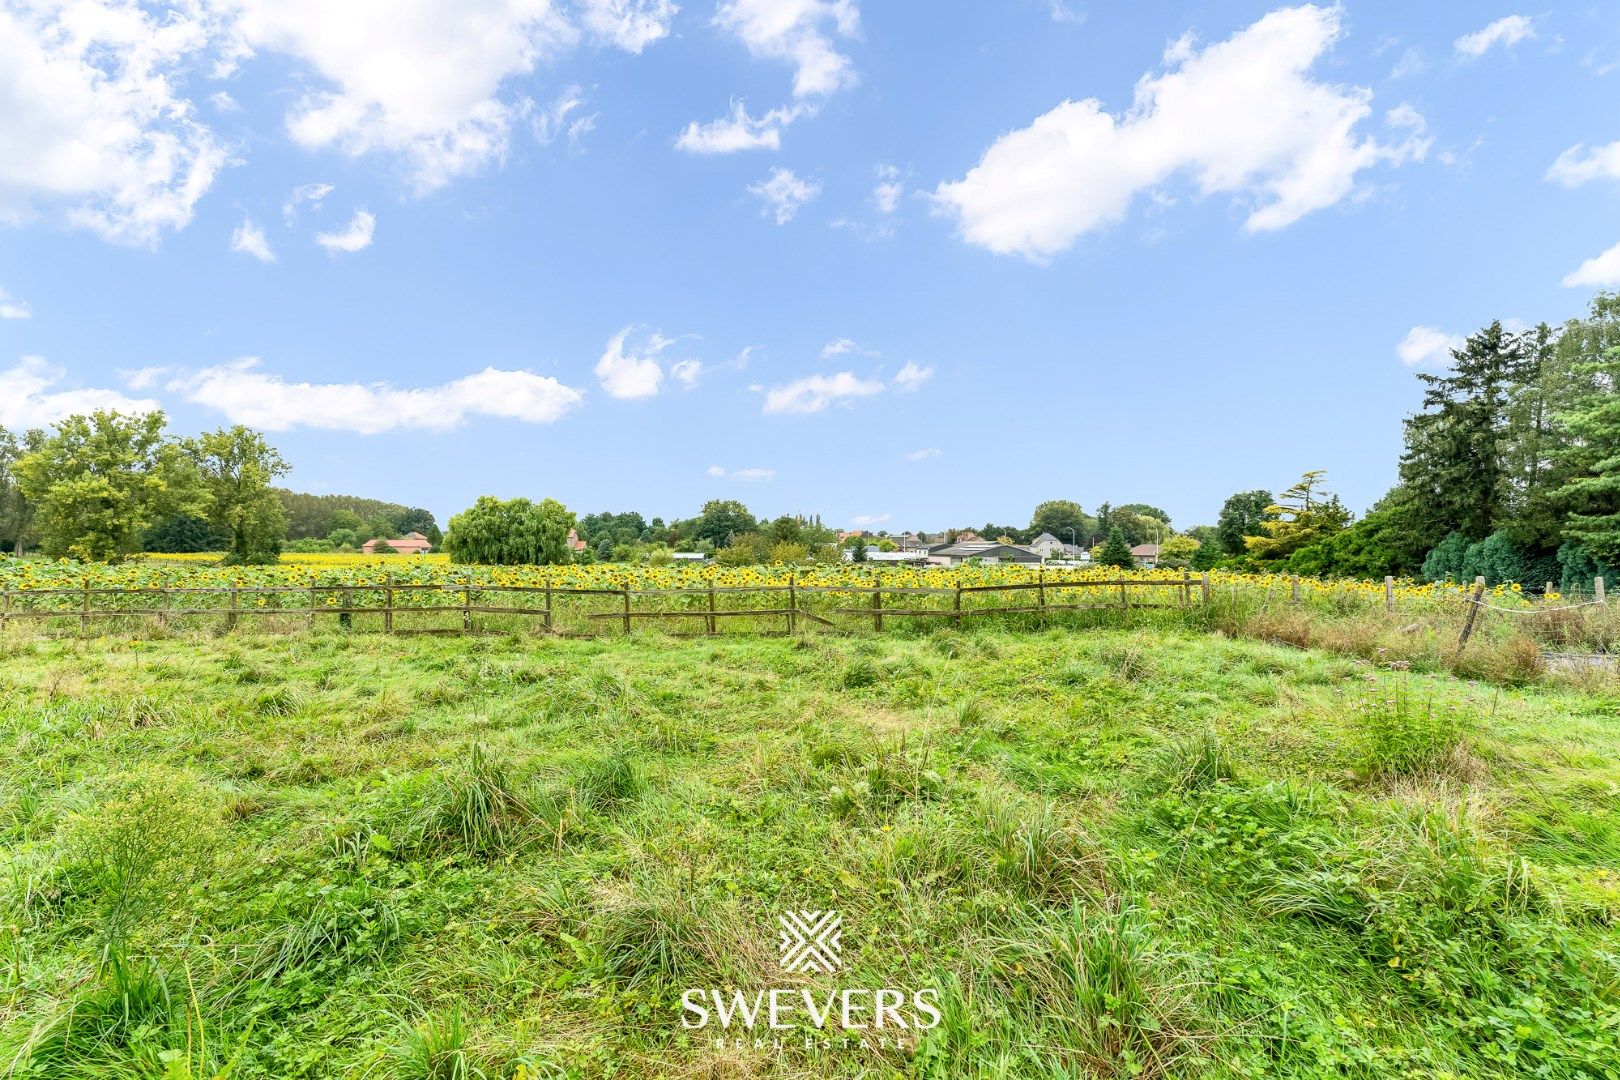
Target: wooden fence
(798, 605)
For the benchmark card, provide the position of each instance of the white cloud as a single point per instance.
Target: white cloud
(90, 121)
(1580, 164)
(249, 396)
(223, 102)
(686, 372)
(1065, 11)
(739, 131)
(1425, 346)
(1243, 116)
(1410, 63)
(311, 193)
(815, 392)
(912, 376)
(925, 453)
(784, 194)
(840, 346)
(26, 399)
(746, 475)
(864, 520)
(356, 236)
(886, 196)
(552, 121)
(416, 79)
(632, 25)
(631, 373)
(248, 239)
(1507, 32)
(799, 32)
(142, 378)
(12, 307)
(1602, 269)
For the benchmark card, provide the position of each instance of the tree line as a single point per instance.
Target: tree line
(1510, 470)
(106, 486)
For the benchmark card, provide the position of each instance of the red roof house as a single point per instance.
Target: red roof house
(409, 544)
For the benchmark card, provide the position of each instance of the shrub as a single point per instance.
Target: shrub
(1403, 737)
(150, 841)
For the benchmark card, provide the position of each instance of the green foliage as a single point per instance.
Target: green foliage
(1446, 561)
(1064, 519)
(1404, 736)
(311, 517)
(147, 843)
(100, 481)
(1241, 516)
(1115, 551)
(1455, 461)
(511, 532)
(237, 467)
(1498, 558)
(1301, 516)
(1593, 489)
(719, 522)
(183, 533)
(17, 510)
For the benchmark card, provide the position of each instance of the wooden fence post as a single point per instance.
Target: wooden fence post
(346, 620)
(1473, 613)
(1040, 592)
(956, 606)
(314, 600)
(1186, 588)
(710, 619)
(168, 595)
(388, 604)
(1293, 588)
(627, 605)
(1546, 591)
(230, 620)
(793, 604)
(1597, 591)
(548, 601)
(877, 607)
(84, 616)
(5, 612)
(466, 604)
(1389, 592)
(1205, 583)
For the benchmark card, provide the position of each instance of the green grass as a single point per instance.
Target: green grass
(1115, 853)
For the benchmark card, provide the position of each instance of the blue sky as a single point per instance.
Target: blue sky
(903, 264)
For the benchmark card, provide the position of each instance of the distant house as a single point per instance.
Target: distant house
(689, 556)
(849, 534)
(1046, 545)
(969, 537)
(1146, 555)
(409, 544)
(574, 542)
(986, 551)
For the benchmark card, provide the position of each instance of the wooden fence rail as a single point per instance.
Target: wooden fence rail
(391, 600)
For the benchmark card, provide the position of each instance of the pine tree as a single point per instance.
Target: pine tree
(1593, 493)
(1455, 461)
(1116, 552)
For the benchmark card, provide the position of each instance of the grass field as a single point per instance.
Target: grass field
(1114, 852)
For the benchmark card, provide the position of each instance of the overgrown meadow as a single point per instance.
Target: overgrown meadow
(1139, 849)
